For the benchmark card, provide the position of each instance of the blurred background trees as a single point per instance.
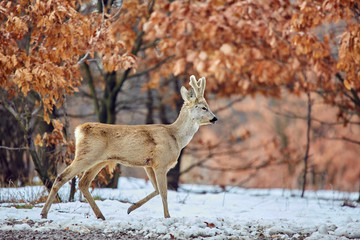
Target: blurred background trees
(267, 64)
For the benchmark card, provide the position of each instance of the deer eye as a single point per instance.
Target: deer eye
(204, 108)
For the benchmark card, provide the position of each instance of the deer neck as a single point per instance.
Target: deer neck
(184, 127)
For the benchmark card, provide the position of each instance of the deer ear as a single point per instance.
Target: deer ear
(191, 95)
(184, 94)
(187, 95)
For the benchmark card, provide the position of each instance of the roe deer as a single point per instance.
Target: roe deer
(155, 147)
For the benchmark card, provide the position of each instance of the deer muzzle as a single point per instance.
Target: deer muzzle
(213, 120)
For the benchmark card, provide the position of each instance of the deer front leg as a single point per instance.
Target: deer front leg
(162, 186)
(152, 178)
(84, 184)
(64, 177)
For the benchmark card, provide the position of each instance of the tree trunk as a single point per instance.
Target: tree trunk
(12, 167)
(149, 107)
(107, 113)
(173, 176)
(44, 165)
(72, 190)
(306, 157)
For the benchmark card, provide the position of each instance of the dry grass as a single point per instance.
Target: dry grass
(23, 196)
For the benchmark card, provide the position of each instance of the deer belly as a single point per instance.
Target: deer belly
(132, 162)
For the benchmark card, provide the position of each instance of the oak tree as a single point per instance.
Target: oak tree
(42, 44)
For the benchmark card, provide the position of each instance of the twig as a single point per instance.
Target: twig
(152, 68)
(14, 148)
(295, 116)
(118, 12)
(76, 115)
(243, 168)
(228, 105)
(345, 139)
(194, 165)
(149, 45)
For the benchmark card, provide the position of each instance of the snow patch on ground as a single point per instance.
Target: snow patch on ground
(196, 212)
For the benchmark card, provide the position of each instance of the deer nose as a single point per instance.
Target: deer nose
(213, 120)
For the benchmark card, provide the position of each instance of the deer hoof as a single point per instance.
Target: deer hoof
(43, 215)
(131, 208)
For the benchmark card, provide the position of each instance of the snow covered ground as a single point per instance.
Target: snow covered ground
(197, 212)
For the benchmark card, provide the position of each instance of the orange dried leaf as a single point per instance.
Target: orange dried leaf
(347, 84)
(38, 140)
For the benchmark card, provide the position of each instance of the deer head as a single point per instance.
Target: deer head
(195, 102)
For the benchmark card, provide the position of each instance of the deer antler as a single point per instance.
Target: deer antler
(198, 86)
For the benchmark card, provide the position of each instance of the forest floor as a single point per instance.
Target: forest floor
(66, 235)
(197, 212)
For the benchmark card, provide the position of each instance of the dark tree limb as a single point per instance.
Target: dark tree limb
(345, 139)
(90, 81)
(355, 98)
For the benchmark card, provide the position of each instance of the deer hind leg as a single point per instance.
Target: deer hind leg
(71, 171)
(162, 186)
(151, 175)
(84, 185)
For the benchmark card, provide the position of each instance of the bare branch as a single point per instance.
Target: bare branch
(118, 11)
(236, 169)
(97, 35)
(150, 69)
(149, 45)
(199, 163)
(14, 113)
(355, 97)
(295, 116)
(345, 139)
(14, 148)
(212, 154)
(73, 115)
(229, 104)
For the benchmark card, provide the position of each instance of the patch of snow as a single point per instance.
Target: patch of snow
(323, 229)
(319, 236)
(279, 229)
(196, 212)
(350, 230)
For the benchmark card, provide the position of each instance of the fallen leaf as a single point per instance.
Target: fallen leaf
(210, 225)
